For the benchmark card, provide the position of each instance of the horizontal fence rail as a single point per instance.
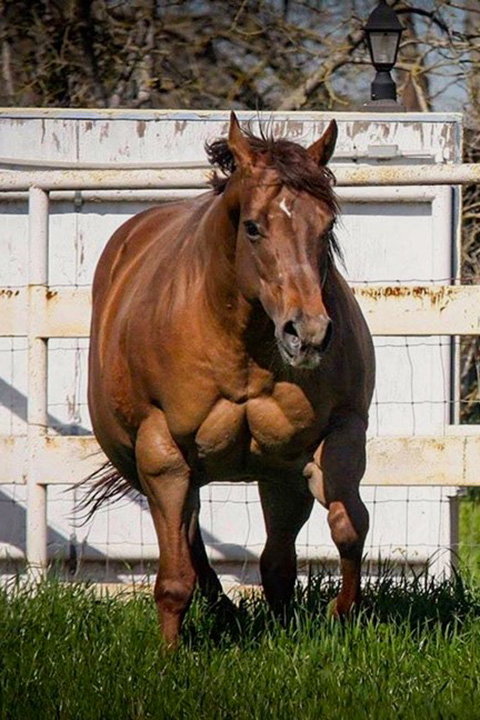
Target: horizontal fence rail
(389, 310)
(40, 312)
(450, 460)
(181, 177)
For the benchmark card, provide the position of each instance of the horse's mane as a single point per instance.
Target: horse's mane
(295, 168)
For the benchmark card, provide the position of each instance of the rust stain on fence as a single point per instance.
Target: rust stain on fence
(439, 296)
(295, 129)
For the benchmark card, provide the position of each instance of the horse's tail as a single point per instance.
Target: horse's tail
(105, 485)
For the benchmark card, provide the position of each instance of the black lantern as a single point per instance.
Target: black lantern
(383, 30)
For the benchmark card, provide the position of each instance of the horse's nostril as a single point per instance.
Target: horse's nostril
(291, 338)
(296, 338)
(290, 329)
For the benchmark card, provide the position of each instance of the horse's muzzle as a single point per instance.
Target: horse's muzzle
(303, 342)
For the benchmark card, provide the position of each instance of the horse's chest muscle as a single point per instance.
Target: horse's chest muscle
(221, 430)
(283, 421)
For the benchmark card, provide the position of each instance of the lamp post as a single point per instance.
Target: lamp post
(383, 30)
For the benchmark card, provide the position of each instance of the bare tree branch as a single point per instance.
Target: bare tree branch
(300, 96)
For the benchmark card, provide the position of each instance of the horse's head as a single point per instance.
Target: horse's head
(286, 213)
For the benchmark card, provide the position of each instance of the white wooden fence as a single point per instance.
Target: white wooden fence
(38, 312)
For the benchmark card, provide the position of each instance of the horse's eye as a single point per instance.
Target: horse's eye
(252, 230)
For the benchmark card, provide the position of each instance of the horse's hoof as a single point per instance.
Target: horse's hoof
(224, 605)
(332, 611)
(341, 611)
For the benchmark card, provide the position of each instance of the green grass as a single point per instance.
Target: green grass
(469, 531)
(414, 652)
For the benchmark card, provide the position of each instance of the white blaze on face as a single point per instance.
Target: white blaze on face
(283, 207)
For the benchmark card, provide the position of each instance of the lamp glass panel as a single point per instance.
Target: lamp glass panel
(384, 47)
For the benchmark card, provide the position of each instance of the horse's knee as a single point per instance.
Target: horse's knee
(173, 596)
(348, 526)
(278, 560)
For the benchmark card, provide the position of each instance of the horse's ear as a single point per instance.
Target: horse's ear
(239, 145)
(322, 149)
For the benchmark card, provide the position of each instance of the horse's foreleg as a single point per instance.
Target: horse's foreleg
(166, 480)
(286, 508)
(342, 463)
(208, 581)
(348, 520)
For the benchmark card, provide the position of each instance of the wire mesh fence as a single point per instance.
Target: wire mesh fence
(412, 527)
(423, 385)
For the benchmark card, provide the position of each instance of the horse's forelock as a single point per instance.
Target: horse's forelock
(292, 162)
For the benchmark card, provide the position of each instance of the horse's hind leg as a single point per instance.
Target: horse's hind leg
(165, 478)
(286, 508)
(342, 461)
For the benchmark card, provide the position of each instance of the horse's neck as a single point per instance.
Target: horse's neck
(213, 250)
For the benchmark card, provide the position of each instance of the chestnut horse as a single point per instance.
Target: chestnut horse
(226, 346)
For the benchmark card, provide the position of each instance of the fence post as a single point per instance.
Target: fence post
(454, 507)
(37, 415)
